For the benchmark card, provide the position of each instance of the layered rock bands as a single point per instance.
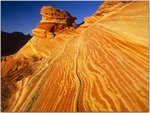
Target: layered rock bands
(53, 21)
(101, 65)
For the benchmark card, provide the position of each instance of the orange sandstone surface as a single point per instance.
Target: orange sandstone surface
(101, 65)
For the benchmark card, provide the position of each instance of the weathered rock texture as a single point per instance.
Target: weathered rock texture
(53, 21)
(100, 66)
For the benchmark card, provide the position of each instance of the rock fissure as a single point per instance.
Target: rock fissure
(78, 76)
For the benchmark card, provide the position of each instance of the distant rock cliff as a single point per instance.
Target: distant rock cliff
(12, 42)
(101, 65)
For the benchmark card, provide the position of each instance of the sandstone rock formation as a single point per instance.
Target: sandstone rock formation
(53, 20)
(100, 66)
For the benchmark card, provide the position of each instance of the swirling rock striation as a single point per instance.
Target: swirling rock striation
(100, 66)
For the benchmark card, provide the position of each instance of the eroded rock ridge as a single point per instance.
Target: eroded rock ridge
(53, 21)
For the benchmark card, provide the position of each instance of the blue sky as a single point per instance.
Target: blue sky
(23, 16)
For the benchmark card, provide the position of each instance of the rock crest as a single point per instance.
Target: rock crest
(53, 20)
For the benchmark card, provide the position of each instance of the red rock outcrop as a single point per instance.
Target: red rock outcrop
(100, 66)
(53, 21)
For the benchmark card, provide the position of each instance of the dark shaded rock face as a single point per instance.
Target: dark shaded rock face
(12, 42)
